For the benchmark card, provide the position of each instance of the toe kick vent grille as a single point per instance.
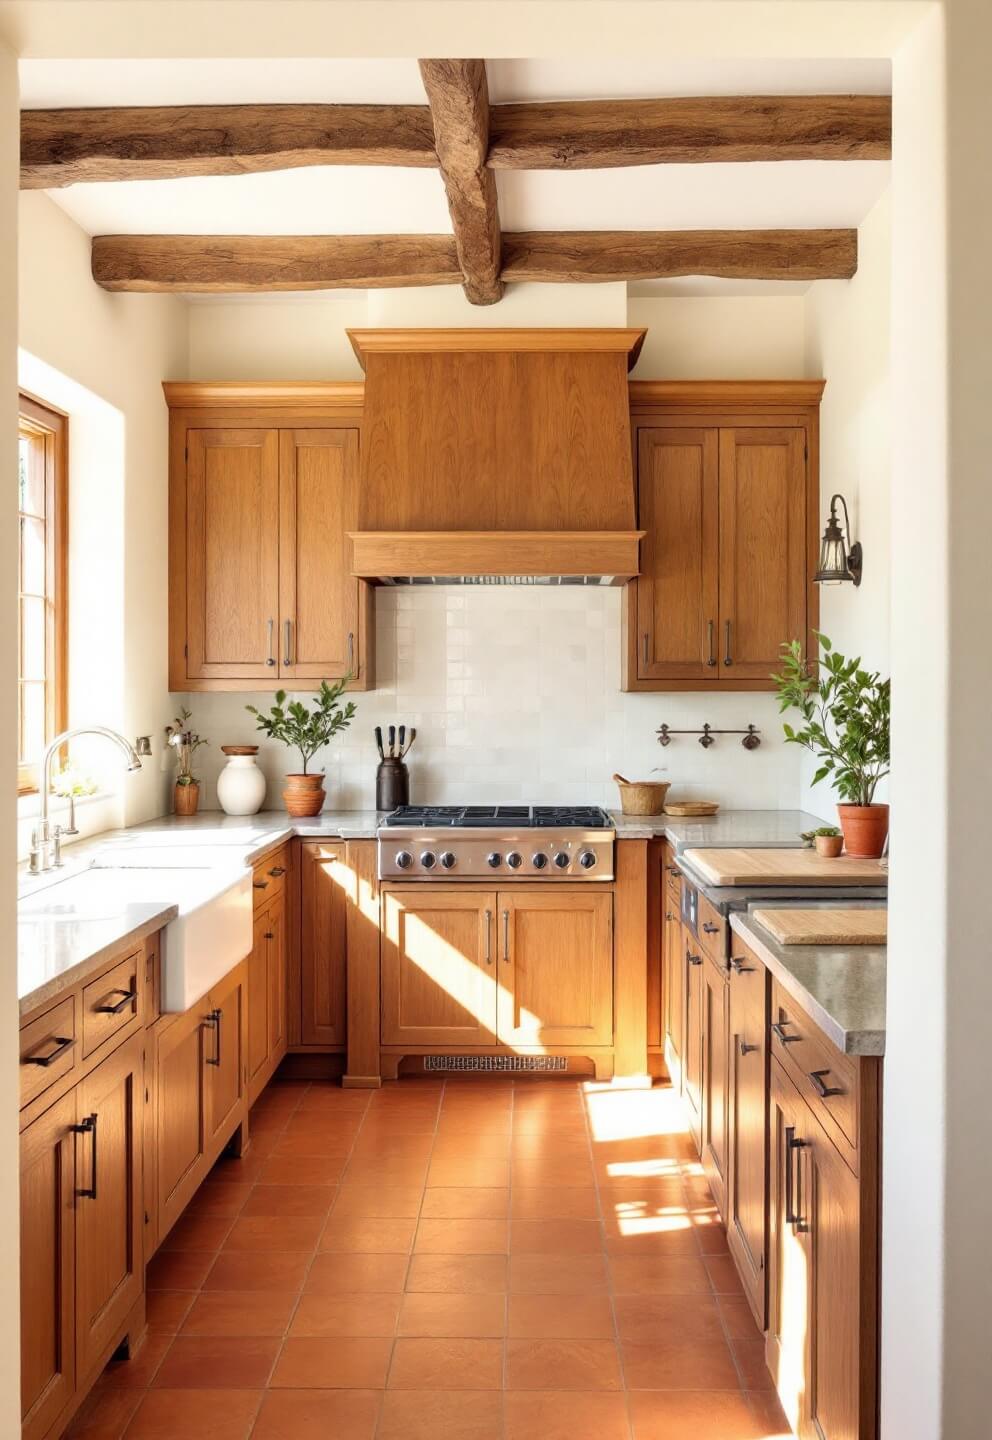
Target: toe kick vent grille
(496, 1062)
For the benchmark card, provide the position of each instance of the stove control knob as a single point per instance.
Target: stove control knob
(561, 859)
(448, 860)
(587, 859)
(428, 859)
(493, 860)
(404, 860)
(514, 860)
(539, 861)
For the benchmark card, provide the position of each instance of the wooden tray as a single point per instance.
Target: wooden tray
(783, 867)
(825, 926)
(690, 808)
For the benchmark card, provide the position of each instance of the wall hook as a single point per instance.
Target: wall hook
(707, 735)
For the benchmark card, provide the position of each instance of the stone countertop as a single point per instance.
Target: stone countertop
(842, 988)
(755, 829)
(53, 954)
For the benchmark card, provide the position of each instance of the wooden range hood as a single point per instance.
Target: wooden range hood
(496, 456)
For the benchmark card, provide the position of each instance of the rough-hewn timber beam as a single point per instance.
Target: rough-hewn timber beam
(326, 262)
(592, 255)
(595, 134)
(459, 101)
(61, 147)
(218, 263)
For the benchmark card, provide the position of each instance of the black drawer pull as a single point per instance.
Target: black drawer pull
(669, 915)
(694, 959)
(822, 1089)
(62, 1044)
(260, 884)
(130, 998)
(276, 871)
(214, 1019)
(737, 964)
(793, 1181)
(268, 935)
(711, 929)
(747, 1049)
(778, 1028)
(88, 1127)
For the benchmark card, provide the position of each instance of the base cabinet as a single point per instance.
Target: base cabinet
(266, 997)
(438, 968)
(692, 1052)
(715, 1047)
(673, 990)
(747, 1129)
(325, 882)
(555, 969)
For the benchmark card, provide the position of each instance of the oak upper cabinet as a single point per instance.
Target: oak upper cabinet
(325, 884)
(748, 1132)
(48, 1271)
(555, 968)
(261, 594)
(438, 967)
(728, 495)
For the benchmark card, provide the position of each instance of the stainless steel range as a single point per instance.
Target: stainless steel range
(479, 842)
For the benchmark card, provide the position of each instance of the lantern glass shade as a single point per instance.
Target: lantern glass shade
(832, 569)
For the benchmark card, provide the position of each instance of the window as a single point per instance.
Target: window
(41, 503)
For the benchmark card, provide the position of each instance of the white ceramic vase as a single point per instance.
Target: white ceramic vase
(240, 785)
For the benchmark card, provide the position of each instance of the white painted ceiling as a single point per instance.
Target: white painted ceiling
(367, 200)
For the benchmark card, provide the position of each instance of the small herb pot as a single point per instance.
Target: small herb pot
(304, 795)
(829, 846)
(188, 798)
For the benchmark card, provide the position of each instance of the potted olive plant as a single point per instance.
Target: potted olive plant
(185, 742)
(308, 730)
(845, 715)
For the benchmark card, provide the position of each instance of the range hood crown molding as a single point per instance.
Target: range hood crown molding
(495, 340)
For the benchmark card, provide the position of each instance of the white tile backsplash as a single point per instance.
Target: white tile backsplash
(515, 695)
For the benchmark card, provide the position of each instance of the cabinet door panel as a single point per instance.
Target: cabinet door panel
(830, 1196)
(225, 1062)
(438, 968)
(692, 1050)
(555, 968)
(676, 601)
(674, 998)
(763, 581)
(232, 553)
(747, 1201)
(325, 885)
(109, 1224)
(259, 1031)
(276, 964)
(789, 1278)
(180, 1100)
(715, 1082)
(48, 1313)
(318, 593)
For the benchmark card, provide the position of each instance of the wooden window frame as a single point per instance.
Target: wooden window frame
(52, 427)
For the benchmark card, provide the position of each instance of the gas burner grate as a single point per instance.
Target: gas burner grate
(586, 817)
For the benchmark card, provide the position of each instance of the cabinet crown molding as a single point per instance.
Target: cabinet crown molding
(645, 394)
(210, 394)
(494, 340)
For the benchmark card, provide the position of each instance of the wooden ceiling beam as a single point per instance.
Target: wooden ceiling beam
(245, 263)
(458, 94)
(63, 147)
(599, 134)
(218, 264)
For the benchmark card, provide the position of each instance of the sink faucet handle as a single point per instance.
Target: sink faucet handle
(57, 834)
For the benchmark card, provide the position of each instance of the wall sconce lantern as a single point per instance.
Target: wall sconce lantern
(837, 561)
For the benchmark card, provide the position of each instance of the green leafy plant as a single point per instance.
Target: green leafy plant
(831, 830)
(185, 742)
(845, 718)
(309, 730)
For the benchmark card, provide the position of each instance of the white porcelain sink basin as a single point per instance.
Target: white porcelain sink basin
(210, 935)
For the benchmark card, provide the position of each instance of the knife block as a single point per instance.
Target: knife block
(392, 784)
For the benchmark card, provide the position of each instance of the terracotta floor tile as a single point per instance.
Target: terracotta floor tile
(359, 1235)
(138, 1372)
(198, 1232)
(195, 1415)
(216, 1198)
(442, 1315)
(318, 1415)
(104, 1415)
(455, 1364)
(560, 1317)
(476, 1202)
(710, 1234)
(550, 1202)
(370, 1146)
(565, 1173)
(558, 1274)
(535, 1146)
(388, 1173)
(770, 1417)
(441, 1415)
(178, 1269)
(310, 1145)
(488, 1171)
(235, 1362)
(259, 1233)
(562, 1365)
(750, 1358)
(302, 1170)
(322, 1315)
(374, 1202)
(679, 1362)
(166, 1310)
(340, 1364)
(737, 1317)
(701, 1414)
(556, 1237)
(333, 1274)
(290, 1200)
(455, 1148)
(723, 1275)
(458, 1274)
(566, 1415)
(237, 1170)
(462, 1237)
(649, 1274)
(648, 1317)
(236, 1312)
(271, 1270)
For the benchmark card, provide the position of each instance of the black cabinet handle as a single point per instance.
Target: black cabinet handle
(711, 929)
(726, 659)
(820, 1086)
(778, 1028)
(62, 1044)
(214, 1019)
(793, 1188)
(669, 915)
(276, 871)
(88, 1127)
(130, 998)
(694, 959)
(269, 935)
(747, 1049)
(260, 884)
(673, 869)
(737, 964)
(709, 631)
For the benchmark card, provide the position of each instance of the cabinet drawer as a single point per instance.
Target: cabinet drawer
(269, 878)
(826, 1079)
(111, 1002)
(673, 877)
(712, 928)
(48, 1049)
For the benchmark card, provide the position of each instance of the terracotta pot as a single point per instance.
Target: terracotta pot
(188, 798)
(304, 794)
(865, 828)
(829, 846)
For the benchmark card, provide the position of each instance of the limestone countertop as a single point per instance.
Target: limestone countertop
(756, 829)
(842, 988)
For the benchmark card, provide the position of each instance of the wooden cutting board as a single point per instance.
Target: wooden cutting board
(825, 927)
(783, 867)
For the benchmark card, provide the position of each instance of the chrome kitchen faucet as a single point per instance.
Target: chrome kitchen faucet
(46, 843)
